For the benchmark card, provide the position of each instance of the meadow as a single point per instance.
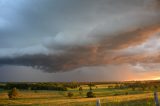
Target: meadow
(109, 95)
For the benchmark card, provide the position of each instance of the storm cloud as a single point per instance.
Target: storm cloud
(62, 36)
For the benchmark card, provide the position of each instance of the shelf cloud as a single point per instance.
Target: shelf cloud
(63, 36)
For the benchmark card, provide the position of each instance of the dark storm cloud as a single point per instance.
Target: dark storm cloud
(100, 53)
(31, 21)
(73, 34)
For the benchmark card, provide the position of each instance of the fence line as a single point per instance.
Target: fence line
(156, 98)
(98, 102)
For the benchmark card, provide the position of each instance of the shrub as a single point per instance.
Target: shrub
(80, 89)
(70, 94)
(13, 93)
(133, 88)
(126, 93)
(116, 94)
(90, 94)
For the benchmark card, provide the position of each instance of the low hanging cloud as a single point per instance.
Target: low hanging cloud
(61, 38)
(102, 53)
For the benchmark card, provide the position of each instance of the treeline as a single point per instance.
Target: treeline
(34, 86)
(60, 86)
(143, 85)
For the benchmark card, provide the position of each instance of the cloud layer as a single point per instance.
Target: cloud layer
(62, 36)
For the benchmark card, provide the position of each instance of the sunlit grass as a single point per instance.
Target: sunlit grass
(111, 97)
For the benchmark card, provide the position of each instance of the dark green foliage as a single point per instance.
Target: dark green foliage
(62, 86)
(47, 86)
(2, 86)
(70, 94)
(126, 93)
(13, 93)
(71, 85)
(90, 94)
(17, 85)
(90, 86)
(36, 86)
(80, 89)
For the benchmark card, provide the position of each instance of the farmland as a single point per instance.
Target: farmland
(112, 94)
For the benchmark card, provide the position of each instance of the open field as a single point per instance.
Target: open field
(111, 97)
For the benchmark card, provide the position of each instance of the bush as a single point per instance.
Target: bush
(70, 94)
(126, 93)
(90, 94)
(13, 93)
(116, 94)
(80, 89)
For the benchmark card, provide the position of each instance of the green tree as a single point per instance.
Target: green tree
(70, 94)
(80, 90)
(13, 93)
(90, 94)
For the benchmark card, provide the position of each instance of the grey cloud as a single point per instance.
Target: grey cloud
(35, 20)
(87, 32)
(101, 73)
(98, 54)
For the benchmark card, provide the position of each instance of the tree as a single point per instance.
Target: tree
(13, 93)
(70, 94)
(90, 87)
(133, 88)
(90, 94)
(80, 90)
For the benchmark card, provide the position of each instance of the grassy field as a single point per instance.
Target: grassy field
(108, 97)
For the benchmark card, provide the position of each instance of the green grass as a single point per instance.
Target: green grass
(109, 97)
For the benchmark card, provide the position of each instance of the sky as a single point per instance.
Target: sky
(79, 40)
